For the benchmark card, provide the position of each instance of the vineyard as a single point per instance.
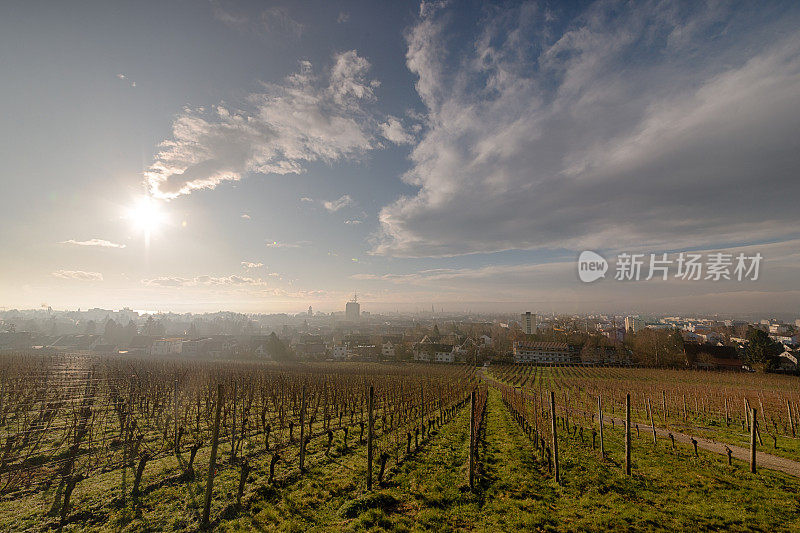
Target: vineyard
(66, 421)
(132, 444)
(701, 404)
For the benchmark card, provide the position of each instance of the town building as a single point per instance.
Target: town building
(634, 324)
(339, 352)
(542, 352)
(164, 347)
(352, 310)
(388, 350)
(528, 323)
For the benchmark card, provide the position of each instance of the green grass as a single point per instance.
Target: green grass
(428, 491)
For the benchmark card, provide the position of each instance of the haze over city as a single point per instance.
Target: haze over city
(264, 157)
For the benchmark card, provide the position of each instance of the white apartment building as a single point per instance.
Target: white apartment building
(528, 323)
(542, 352)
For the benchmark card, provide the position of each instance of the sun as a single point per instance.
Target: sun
(146, 215)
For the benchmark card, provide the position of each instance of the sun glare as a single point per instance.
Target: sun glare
(146, 215)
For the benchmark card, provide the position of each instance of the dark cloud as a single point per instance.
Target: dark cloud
(664, 126)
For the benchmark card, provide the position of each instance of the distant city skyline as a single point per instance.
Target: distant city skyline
(267, 157)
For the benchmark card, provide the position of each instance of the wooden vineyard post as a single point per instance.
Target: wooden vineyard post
(242, 480)
(175, 397)
(753, 441)
(233, 427)
(727, 419)
(684, 407)
(422, 408)
(555, 436)
(628, 434)
(302, 429)
(652, 424)
(212, 463)
(600, 416)
(472, 440)
(791, 420)
(747, 413)
(369, 439)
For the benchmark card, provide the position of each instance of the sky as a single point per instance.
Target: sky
(268, 156)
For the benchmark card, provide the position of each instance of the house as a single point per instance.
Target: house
(785, 339)
(422, 355)
(778, 329)
(542, 352)
(690, 336)
(339, 352)
(16, 340)
(787, 361)
(428, 351)
(75, 343)
(712, 337)
(434, 352)
(444, 356)
(194, 347)
(218, 346)
(311, 350)
(364, 352)
(140, 345)
(388, 350)
(164, 347)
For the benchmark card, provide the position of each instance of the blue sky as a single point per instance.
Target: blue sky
(459, 154)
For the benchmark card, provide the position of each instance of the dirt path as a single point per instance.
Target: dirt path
(763, 460)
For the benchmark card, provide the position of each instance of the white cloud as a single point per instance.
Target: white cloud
(304, 119)
(94, 242)
(174, 281)
(335, 205)
(277, 244)
(245, 216)
(353, 221)
(237, 21)
(394, 131)
(542, 139)
(277, 18)
(79, 275)
(273, 20)
(306, 199)
(248, 264)
(343, 17)
(124, 77)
